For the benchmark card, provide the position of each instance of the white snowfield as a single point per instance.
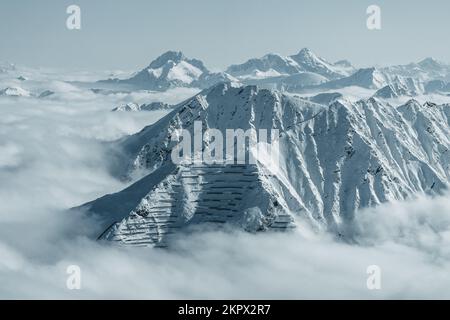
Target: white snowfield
(334, 159)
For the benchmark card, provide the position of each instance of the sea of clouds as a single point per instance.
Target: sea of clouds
(53, 157)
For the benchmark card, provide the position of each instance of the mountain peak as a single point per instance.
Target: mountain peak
(175, 56)
(306, 55)
(169, 70)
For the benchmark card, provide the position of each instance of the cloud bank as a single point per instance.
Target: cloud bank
(52, 158)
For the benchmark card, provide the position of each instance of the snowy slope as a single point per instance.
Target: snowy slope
(333, 161)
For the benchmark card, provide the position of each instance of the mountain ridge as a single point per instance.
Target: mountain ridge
(334, 161)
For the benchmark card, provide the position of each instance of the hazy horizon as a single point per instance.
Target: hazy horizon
(129, 35)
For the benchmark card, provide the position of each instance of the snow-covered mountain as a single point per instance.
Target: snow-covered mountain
(302, 71)
(172, 69)
(310, 62)
(333, 160)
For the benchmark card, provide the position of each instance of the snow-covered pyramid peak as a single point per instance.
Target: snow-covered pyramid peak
(171, 69)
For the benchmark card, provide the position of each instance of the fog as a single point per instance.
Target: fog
(52, 157)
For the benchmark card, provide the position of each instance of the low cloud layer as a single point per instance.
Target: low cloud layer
(51, 158)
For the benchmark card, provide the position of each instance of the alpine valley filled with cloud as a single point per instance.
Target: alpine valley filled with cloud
(361, 179)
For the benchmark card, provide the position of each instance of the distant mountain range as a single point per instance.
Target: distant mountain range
(304, 70)
(133, 107)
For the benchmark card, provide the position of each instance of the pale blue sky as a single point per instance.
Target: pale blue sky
(129, 34)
